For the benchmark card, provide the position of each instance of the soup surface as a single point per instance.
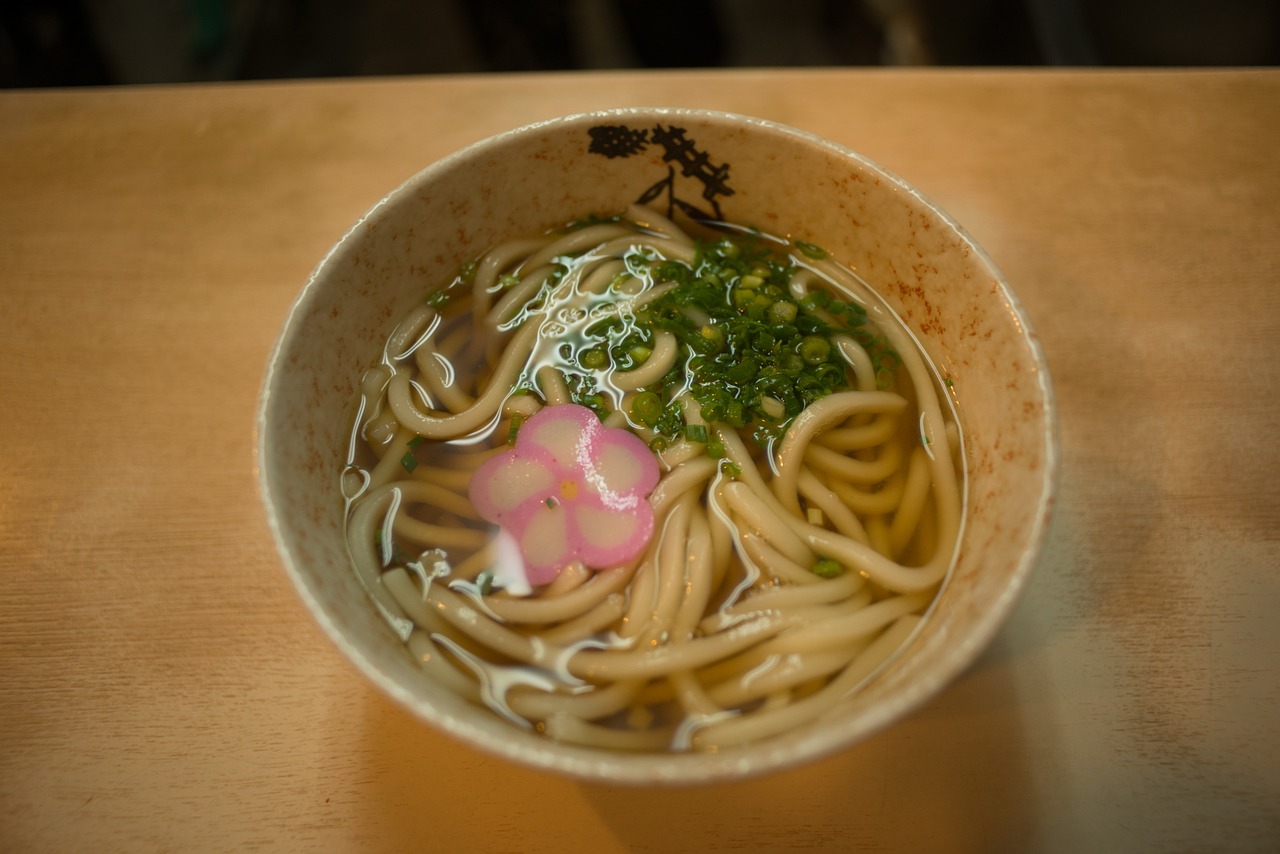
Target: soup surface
(642, 486)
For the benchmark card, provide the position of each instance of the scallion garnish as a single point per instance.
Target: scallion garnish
(696, 433)
(646, 408)
(514, 430)
(827, 568)
(809, 250)
(752, 353)
(593, 359)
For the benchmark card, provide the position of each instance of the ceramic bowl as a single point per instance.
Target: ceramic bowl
(742, 169)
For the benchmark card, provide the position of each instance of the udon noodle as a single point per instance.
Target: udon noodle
(806, 512)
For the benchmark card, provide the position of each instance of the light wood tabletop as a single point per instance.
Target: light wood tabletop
(164, 688)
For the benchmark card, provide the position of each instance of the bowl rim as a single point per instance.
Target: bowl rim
(678, 768)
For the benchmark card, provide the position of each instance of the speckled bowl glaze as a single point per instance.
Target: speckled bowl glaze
(747, 171)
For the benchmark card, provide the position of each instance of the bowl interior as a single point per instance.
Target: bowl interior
(746, 171)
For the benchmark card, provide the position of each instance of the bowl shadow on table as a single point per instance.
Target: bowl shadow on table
(944, 778)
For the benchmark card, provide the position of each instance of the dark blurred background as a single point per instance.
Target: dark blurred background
(106, 42)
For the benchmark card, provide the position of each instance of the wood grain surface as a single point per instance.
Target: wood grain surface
(164, 689)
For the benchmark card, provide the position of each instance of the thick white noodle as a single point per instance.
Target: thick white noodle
(485, 407)
(496, 262)
(816, 417)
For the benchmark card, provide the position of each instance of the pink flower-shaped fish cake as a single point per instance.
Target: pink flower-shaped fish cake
(570, 490)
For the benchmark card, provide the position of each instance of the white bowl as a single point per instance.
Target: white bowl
(781, 180)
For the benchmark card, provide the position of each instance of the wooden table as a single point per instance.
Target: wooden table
(163, 688)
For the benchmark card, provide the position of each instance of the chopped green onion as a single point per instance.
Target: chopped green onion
(597, 403)
(409, 461)
(749, 354)
(696, 433)
(512, 432)
(827, 568)
(809, 250)
(484, 582)
(416, 441)
(772, 408)
(782, 311)
(743, 372)
(593, 359)
(646, 408)
(600, 329)
(815, 349)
